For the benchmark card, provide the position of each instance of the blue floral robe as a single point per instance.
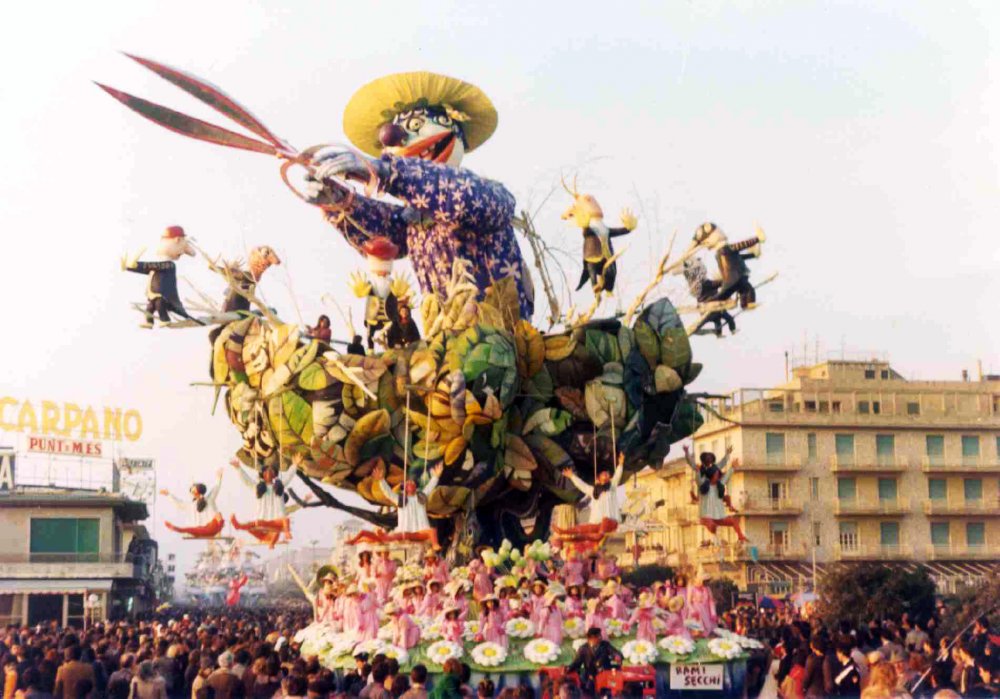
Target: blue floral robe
(449, 213)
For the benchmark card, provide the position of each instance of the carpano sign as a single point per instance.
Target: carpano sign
(69, 420)
(696, 677)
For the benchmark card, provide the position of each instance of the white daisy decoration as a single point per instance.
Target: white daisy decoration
(724, 648)
(520, 628)
(541, 651)
(371, 647)
(431, 632)
(678, 645)
(639, 652)
(573, 627)
(614, 627)
(400, 654)
(441, 652)
(489, 654)
(471, 628)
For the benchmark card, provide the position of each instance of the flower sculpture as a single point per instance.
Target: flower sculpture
(441, 652)
(574, 627)
(372, 646)
(520, 628)
(677, 645)
(489, 654)
(541, 651)
(471, 628)
(400, 654)
(639, 652)
(725, 648)
(431, 632)
(614, 627)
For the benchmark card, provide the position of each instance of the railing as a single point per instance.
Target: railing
(872, 552)
(855, 506)
(858, 463)
(947, 506)
(69, 557)
(938, 552)
(764, 504)
(773, 462)
(941, 464)
(775, 551)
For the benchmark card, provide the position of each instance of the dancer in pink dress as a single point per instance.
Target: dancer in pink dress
(615, 604)
(326, 601)
(536, 603)
(596, 617)
(573, 606)
(435, 568)
(367, 615)
(366, 569)
(405, 633)
(352, 608)
(550, 620)
(643, 618)
(701, 606)
(452, 628)
(384, 570)
(492, 622)
(455, 596)
(573, 570)
(674, 618)
(432, 602)
(482, 583)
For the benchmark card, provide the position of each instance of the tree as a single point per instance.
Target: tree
(860, 593)
(725, 593)
(645, 576)
(970, 603)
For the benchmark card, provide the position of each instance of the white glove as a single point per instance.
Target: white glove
(332, 163)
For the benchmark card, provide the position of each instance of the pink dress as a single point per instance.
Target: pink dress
(551, 626)
(436, 571)
(367, 618)
(493, 629)
(616, 608)
(463, 607)
(505, 608)
(674, 625)
(430, 605)
(452, 630)
(573, 607)
(385, 572)
(643, 616)
(406, 634)
(573, 572)
(596, 619)
(352, 613)
(326, 609)
(701, 608)
(536, 604)
(482, 583)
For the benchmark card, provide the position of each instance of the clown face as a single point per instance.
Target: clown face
(584, 209)
(710, 236)
(172, 248)
(429, 133)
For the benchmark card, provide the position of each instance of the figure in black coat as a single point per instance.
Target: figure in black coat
(731, 258)
(598, 253)
(593, 657)
(162, 297)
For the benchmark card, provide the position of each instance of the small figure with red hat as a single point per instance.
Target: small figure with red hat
(161, 291)
(384, 293)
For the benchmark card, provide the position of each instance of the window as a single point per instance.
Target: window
(889, 534)
(940, 534)
(975, 534)
(845, 448)
(864, 407)
(912, 408)
(811, 446)
(885, 448)
(887, 490)
(884, 374)
(824, 406)
(935, 449)
(937, 488)
(814, 488)
(849, 536)
(64, 539)
(817, 534)
(847, 488)
(778, 532)
(74, 610)
(836, 406)
(876, 407)
(776, 406)
(777, 491)
(775, 443)
(970, 449)
(810, 406)
(973, 489)
(869, 374)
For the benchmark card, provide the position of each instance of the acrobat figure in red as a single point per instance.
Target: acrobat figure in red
(235, 585)
(605, 511)
(272, 521)
(208, 520)
(411, 511)
(712, 499)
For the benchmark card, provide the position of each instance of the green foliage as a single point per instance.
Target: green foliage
(970, 603)
(725, 593)
(860, 593)
(645, 576)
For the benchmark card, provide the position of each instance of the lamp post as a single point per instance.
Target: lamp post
(92, 602)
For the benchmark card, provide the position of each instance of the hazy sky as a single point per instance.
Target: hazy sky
(862, 136)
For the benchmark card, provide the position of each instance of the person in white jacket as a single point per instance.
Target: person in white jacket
(272, 521)
(208, 520)
(412, 523)
(605, 510)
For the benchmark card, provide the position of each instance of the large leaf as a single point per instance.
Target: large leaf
(290, 417)
(662, 316)
(446, 500)
(501, 306)
(571, 398)
(550, 421)
(502, 352)
(539, 386)
(368, 427)
(282, 341)
(648, 342)
(530, 349)
(314, 378)
(675, 348)
(626, 341)
(602, 345)
(477, 361)
(457, 396)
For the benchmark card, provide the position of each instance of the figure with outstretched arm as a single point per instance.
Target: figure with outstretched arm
(411, 511)
(712, 499)
(272, 521)
(208, 520)
(605, 511)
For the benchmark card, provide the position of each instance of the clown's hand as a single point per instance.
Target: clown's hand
(131, 261)
(400, 287)
(437, 470)
(628, 219)
(339, 163)
(360, 286)
(317, 191)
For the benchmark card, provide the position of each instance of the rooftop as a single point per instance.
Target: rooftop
(26, 496)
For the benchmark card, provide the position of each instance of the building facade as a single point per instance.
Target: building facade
(846, 462)
(67, 553)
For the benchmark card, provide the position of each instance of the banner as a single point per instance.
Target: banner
(128, 464)
(65, 447)
(697, 677)
(6, 468)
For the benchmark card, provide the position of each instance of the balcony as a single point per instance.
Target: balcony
(763, 505)
(67, 565)
(867, 463)
(773, 464)
(962, 464)
(948, 507)
(777, 552)
(683, 515)
(868, 507)
(872, 552)
(948, 552)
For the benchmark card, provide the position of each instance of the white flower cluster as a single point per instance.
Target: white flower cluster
(639, 652)
(724, 648)
(385, 632)
(678, 645)
(573, 627)
(741, 641)
(471, 629)
(489, 654)
(440, 652)
(520, 628)
(400, 654)
(541, 651)
(614, 627)
(371, 647)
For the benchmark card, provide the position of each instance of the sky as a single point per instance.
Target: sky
(861, 136)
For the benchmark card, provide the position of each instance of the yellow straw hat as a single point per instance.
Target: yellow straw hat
(377, 102)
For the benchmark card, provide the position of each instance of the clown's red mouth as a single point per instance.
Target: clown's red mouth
(437, 148)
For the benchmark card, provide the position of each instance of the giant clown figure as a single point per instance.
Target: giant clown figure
(417, 127)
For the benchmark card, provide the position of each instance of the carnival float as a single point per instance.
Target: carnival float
(465, 431)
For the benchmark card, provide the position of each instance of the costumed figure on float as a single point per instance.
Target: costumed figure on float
(599, 258)
(162, 297)
(712, 479)
(412, 524)
(271, 522)
(384, 294)
(208, 521)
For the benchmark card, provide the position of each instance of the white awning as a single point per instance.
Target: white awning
(53, 587)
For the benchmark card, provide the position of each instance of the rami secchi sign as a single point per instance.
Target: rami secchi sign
(69, 420)
(697, 677)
